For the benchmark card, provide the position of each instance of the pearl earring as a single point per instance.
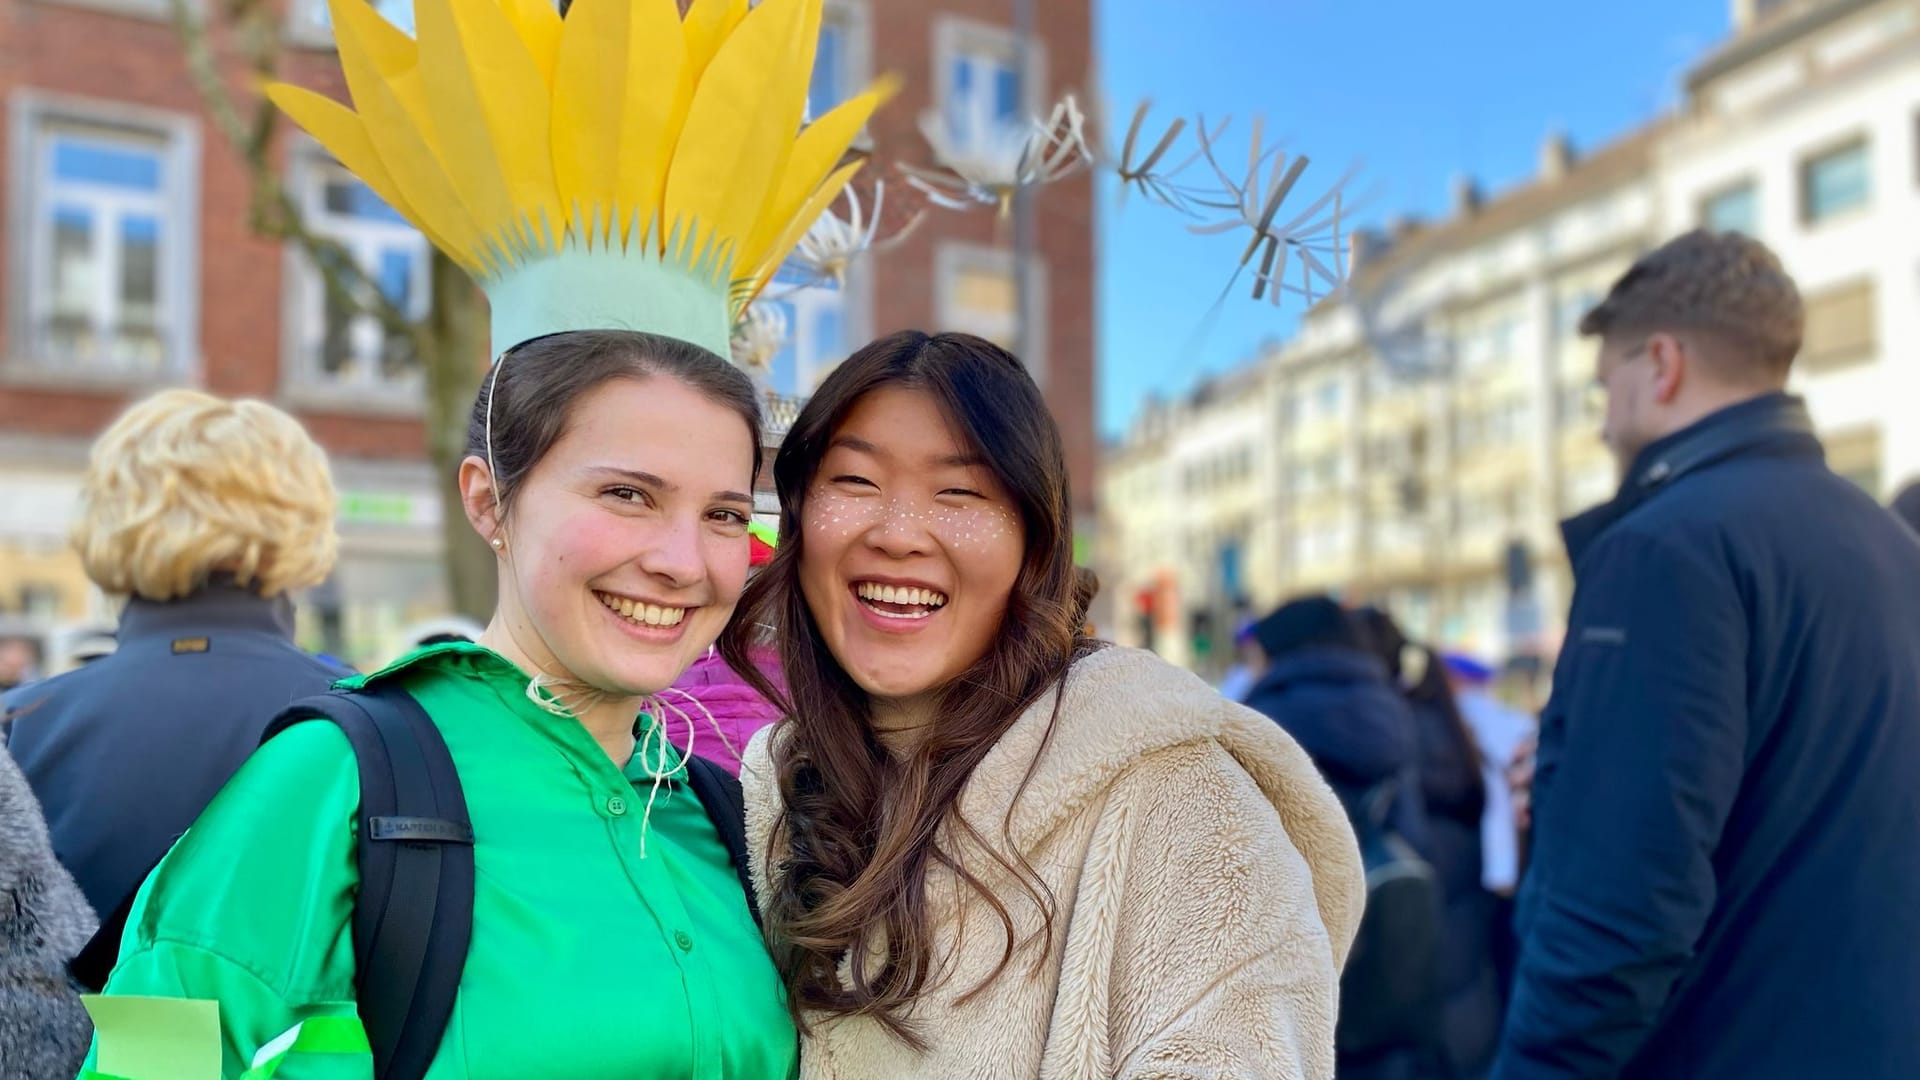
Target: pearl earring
(498, 543)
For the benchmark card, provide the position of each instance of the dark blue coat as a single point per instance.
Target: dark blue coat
(1727, 805)
(125, 752)
(1338, 705)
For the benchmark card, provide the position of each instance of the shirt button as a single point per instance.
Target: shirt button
(684, 940)
(616, 805)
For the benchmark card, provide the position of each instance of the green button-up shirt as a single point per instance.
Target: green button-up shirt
(588, 960)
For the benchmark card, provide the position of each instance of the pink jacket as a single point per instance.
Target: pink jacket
(712, 689)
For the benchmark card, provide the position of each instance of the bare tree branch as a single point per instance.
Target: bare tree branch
(274, 213)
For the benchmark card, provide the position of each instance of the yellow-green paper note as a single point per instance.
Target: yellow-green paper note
(156, 1038)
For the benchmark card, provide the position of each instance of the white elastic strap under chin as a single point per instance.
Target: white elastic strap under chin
(661, 764)
(493, 471)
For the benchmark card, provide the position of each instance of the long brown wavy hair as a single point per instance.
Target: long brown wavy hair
(863, 826)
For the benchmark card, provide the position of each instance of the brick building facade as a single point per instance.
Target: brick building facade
(129, 264)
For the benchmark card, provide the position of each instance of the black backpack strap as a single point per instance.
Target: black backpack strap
(102, 951)
(726, 806)
(413, 919)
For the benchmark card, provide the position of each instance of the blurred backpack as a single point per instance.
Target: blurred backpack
(1390, 992)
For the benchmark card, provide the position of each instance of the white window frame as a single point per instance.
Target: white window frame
(854, 20)
(813, 360)
(952, 258)
(1803, 178)
(955, 37)
(32, 115)
(303, 329)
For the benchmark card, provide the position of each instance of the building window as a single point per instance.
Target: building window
(106, 245)
(1571, 308)
(1841, 328)
(979, 89)
(830, 82)
(976, 294)
(314, 23)
(817, 337)
(1330, 397)
(340, 344)
(1835, 182)
(840, 66)
(1734, 209)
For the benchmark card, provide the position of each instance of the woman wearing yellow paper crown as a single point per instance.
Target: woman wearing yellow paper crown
(620, 183)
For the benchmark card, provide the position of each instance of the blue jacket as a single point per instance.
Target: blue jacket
(1338, 705)
(125, 752)
(1727, 799)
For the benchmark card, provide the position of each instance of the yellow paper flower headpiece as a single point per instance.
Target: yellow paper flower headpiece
(623, 168)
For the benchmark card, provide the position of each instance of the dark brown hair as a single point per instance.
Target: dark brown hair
(530, 393)
(863, 827)
(1725, 285)
(1086, 589)
(1457, 788)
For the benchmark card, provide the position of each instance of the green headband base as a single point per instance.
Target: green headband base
(607, 289)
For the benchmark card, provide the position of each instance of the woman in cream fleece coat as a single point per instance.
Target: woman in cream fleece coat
(985, 846)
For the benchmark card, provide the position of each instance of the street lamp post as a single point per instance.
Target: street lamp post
(1023, 218)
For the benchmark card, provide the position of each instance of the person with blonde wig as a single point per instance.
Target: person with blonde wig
(205, 515)
(187, 486)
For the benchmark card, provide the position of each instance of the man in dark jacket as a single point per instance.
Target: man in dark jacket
(1725, 805)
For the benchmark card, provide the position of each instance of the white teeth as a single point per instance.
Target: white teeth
(902, 595)
(643, 613)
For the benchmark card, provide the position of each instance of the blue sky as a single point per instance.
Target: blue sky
(1412, 91)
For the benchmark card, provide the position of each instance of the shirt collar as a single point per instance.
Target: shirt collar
(220, 606)
(509, 682)
(1771, 423)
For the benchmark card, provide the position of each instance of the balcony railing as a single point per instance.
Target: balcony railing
(781, 412)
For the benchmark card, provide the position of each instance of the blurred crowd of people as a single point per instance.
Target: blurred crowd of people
(1705, 830)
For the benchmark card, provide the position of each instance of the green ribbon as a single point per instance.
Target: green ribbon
(314, 1035)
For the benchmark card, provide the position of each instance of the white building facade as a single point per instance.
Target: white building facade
(1420, 440)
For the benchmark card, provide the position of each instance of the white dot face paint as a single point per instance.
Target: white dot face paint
(911, 548)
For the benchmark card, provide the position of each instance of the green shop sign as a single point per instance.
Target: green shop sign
(377, 508)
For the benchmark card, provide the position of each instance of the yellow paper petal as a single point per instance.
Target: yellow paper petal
(783, 246)
(537, 24)
(388, 48)
(339, 130)
(816, 154)
(742, 122)
(394, 129)
(491, 120)
(708, 24)
(619, 99)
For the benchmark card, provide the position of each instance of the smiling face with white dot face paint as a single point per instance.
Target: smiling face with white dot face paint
(911, 548)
